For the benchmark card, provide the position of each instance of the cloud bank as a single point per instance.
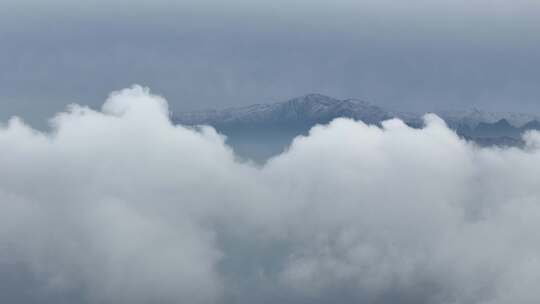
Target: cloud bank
(121, 206)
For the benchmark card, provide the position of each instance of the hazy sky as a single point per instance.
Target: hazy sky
(415, 54)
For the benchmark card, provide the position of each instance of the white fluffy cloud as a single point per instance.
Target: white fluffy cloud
(121, 206)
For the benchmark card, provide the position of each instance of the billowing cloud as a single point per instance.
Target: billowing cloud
(121, 206)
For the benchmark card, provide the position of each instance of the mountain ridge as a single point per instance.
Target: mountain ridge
(309, 107)
(315, 106)
(259, 131)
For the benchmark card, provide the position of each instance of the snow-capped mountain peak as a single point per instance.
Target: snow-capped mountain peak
(307, 108)
(319, 108)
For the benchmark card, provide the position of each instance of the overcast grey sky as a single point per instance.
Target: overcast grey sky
(415, 54)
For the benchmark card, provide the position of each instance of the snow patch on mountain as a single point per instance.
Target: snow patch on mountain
(320, 108)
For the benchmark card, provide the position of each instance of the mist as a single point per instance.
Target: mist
(118, 205)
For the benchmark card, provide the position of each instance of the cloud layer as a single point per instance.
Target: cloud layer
(121, 206)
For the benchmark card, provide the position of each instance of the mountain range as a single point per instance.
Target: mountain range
(260, 131)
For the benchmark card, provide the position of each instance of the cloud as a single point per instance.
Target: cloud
(121, 206)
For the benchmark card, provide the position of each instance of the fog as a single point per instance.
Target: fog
(117, 205)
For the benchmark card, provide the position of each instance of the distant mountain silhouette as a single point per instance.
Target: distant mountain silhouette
(501, 128)
(261, 130)
(310, 108)
(531, 125)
